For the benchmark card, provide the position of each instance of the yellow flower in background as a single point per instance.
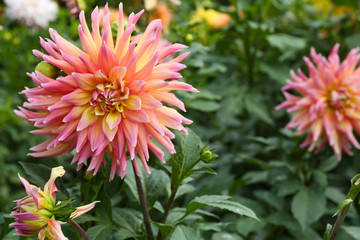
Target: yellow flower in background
(213, 18)
(325, 6)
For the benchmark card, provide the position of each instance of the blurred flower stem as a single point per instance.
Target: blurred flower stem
(144, 207)
(344, 207)
(79, 229)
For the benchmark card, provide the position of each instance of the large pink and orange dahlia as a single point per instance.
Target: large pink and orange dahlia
(114, 98)
(328, 107)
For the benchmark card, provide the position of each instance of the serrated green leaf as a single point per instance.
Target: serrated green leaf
(219, 201)
(185, 159)
(308, 206)
(128, 219)
(99, 232)
(185, 233)
(155, 184)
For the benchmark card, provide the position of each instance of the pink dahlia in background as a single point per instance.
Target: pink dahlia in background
(327, 106)
(114, 98)
(35, 214)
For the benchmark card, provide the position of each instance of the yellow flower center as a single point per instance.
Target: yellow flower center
(108, 97)
(338, 99)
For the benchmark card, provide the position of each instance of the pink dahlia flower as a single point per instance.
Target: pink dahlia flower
(328, 104)
(34, 213)
(114, 98)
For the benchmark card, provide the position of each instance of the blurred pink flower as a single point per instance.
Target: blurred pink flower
(328, 108)
(34, 214)
(113, 98)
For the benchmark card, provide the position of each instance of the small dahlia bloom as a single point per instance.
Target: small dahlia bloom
(34, 213)
(115, 97)
(327, 106)
(32, 13)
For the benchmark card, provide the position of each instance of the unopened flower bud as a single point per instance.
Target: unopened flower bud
(207, 156)
(47, 69)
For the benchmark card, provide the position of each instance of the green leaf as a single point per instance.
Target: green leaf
(225, 236)
(185, 233)
(128, 220)
(203, 105)
(219, 201)
(255, 104)
(285, 42)
(352, 231)
(308, 205)
(155, 184)
(165, 229)
(37, 174)
(99, 232)
(86, 218)
(278, 72)
(329, 164)
(203, 170)
(186, 158)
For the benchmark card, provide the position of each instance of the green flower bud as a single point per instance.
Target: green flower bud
(207, 156)
(47, 69)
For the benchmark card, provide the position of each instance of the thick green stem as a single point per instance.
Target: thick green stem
(354, 191)
(79, 229)
(144, 207)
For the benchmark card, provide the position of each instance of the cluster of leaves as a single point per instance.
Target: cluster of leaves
(239, 70)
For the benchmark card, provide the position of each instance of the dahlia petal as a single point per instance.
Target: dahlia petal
(133, 102)
(88, 118)
(148, 101)
(50, 187)
(137, 116)
(130, 131)
(117, 72)
(78, 97)
(85, 81)
(107, 59)
(109, 132)
(83, 209)
(169, 98)
(59, 149)
(95, 135)
(54, 230)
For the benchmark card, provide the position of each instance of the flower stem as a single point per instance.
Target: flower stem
(79, 229)
(354, 191)
(144, 207)
(168, 206)
(167, 210)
